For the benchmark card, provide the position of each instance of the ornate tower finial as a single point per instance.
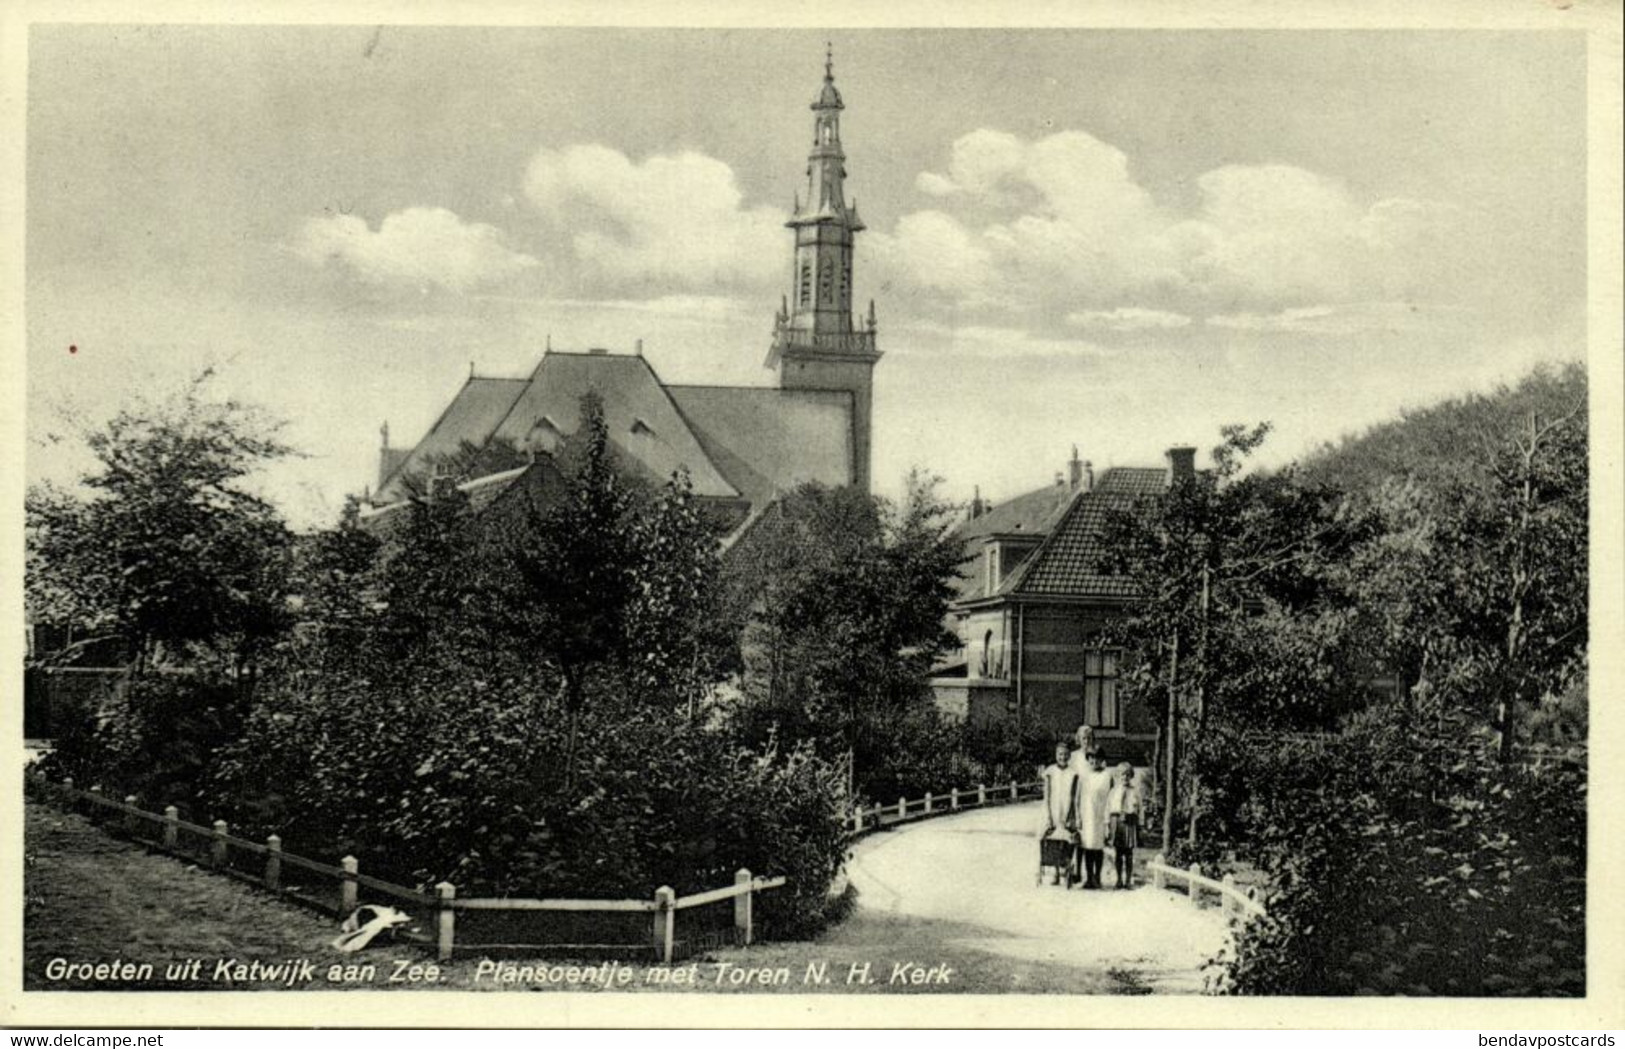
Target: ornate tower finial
(829, 60)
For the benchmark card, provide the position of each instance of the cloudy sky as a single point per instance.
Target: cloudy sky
(1119, 240)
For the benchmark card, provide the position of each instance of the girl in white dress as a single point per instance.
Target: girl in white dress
(1060, 803)
(1094, 790)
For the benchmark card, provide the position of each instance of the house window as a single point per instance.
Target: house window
(1100, 688)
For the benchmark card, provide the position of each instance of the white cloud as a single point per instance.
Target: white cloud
(1057, 222)
(1344, 319)
(418, 247)
(1128, 318)
(678, 219)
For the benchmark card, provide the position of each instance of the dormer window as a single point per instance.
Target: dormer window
(642, 428)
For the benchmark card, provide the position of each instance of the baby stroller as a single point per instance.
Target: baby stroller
(1058, 854)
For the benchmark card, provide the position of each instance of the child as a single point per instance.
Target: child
(1124, 811)
(1060, 803)
(1094, 787)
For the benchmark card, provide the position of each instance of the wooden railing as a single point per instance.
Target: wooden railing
(1236, 901)
(906, 810)
(262, 864)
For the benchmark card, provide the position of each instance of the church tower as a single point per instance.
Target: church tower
(816, 345)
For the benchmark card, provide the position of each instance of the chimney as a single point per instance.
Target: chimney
(1088, 476)
(977, 508)
(1074, 468)
(1181, 464)
(640, 347)
(1060, 479)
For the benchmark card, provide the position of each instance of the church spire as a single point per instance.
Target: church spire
(816, 342)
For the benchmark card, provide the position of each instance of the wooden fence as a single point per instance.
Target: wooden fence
(289, 875)
(1237, 902)
(864, 820)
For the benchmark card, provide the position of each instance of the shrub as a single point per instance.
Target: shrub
(449, 777)
(156, 738)
(1405, 860)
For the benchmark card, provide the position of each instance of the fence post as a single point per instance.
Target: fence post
(981, 794)
(347, 887)
(665, 922)
(928, 803)
(172, 829)
(1230, 906)
(445, 920)
(1012, 790)
(67, 782)
(273, 862)
(742, 906)
(902, 808)
(1159, 877)
(1195, 871)
(93, 810)
(132, 822)
(953, 797)
(217, 848)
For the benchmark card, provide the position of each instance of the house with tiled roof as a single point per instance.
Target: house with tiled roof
(740, 446)
(1033, 596)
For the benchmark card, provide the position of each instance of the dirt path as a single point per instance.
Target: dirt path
(978, 869)
(954, 895)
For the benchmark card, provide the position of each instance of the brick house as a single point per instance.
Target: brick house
(1031, 604)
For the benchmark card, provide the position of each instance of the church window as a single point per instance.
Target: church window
(1100, 687)
(806, 284)
(826, 276)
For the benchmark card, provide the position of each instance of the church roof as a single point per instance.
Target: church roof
(643, 422)
(471, 417)
(767, 441)
(749, 443)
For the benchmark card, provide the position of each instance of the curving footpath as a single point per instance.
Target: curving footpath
(977, 870)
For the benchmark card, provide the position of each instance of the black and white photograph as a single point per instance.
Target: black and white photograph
(729, 513)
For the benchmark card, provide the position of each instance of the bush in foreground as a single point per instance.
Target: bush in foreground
(1406, 860)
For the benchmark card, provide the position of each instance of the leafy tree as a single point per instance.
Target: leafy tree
(847, 600)
(1233, 619)
(1473, 584)
(168, 547)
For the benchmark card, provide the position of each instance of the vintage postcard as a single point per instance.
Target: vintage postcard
(746, 516)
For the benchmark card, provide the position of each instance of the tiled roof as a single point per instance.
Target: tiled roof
(766, 441)
(472, 416)
(1032, 512)
(1132, 480)
(643, 422)
(1068, 564)
(1068, 561)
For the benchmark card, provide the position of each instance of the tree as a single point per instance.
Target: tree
(168, 547)
(1473, 582)
(847, 600)
(1233, 620)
